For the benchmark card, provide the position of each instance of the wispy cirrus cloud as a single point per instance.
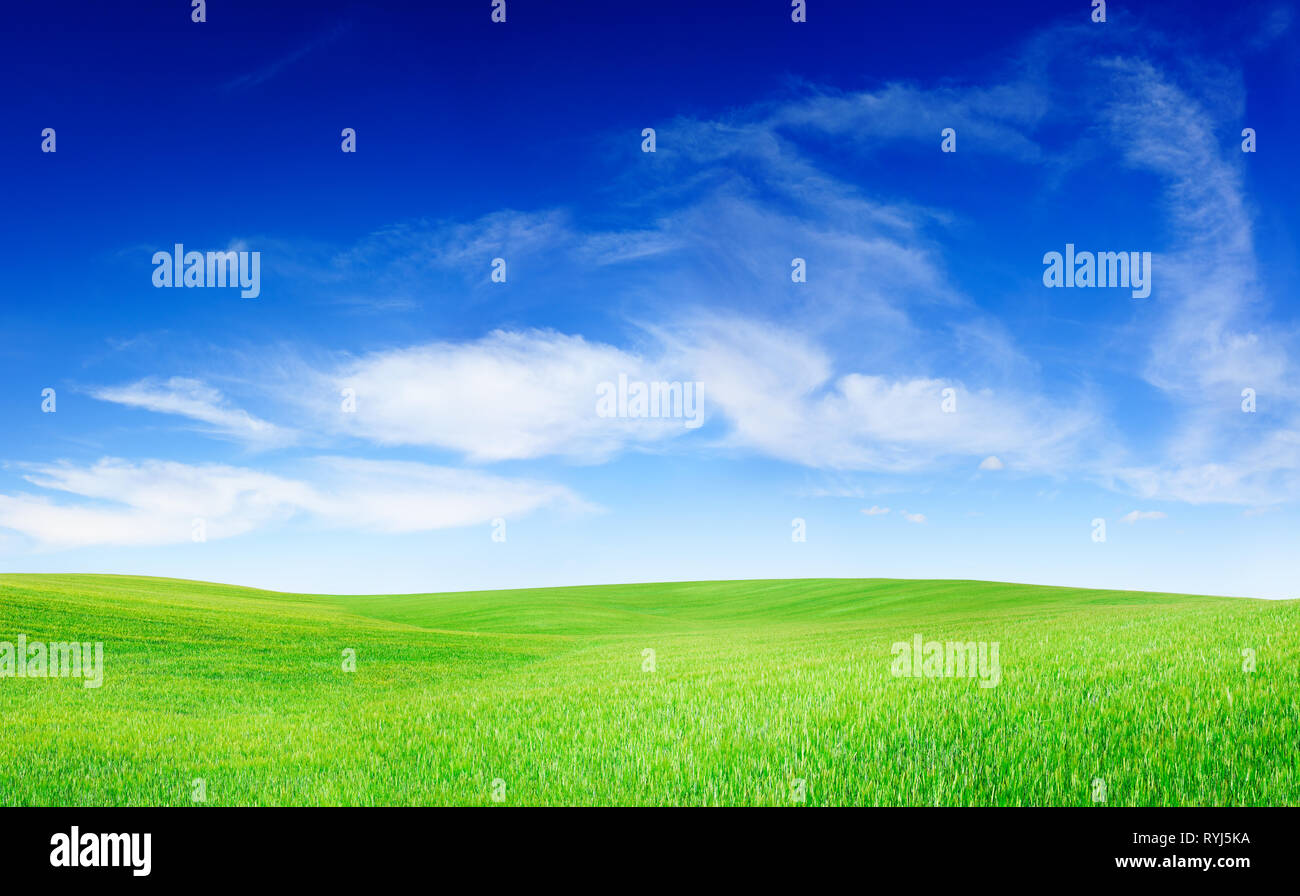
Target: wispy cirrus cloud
(1213, 338)
(784, 398)
(119, 502)
(1134, 516)
(194, 399)
(270, 70)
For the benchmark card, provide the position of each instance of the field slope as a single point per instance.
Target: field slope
(549, 693)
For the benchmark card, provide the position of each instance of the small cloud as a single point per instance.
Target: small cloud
(875, 510)
(268, 72)
(185, 397)
(1134, 515)
(913, 517)
(992, 462)
(1258, 511)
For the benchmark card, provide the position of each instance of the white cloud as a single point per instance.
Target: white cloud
(531, 394)
(156, 502)
(1210, 332)
(193, 399)
(1134, 515)
(990, 120)
(1264, 473)
(401, 496)
(507, 396)
(875, 510)
(991, 463)
(913, 517)
(773, 392)
(783, 398)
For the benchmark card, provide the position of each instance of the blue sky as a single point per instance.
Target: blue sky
(822, 401)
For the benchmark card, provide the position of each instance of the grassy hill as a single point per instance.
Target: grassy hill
(755, 684)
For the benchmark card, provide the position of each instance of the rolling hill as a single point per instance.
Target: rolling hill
(745, 692)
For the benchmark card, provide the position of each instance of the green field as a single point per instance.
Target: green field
(755, 684)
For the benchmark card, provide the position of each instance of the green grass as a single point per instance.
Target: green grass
(756, 683)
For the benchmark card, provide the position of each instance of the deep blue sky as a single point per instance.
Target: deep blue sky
(776, 140)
